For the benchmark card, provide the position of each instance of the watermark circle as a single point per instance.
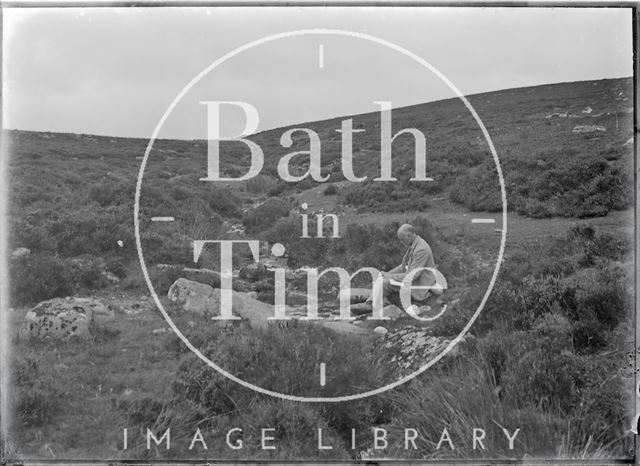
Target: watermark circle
(272, 38)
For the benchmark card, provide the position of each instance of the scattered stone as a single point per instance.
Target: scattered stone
(159, 330)
(587, 110)
(65, 318)
(380, 330)
(136, 308)
(111, 278)
(588, 129)
(20, 252)
(237, 228)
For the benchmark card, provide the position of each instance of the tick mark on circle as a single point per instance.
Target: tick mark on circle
(483, 220)
(323, 374)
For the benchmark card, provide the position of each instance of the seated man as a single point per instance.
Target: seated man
(418, 255)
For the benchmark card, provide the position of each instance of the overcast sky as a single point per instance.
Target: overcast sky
(114, 71)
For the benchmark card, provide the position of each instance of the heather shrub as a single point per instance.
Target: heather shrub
(112, 193)
(262, 217)
(223, 202)
(541, 367)
(259, 184)
(40, 277)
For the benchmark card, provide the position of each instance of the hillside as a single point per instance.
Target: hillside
(549, 351)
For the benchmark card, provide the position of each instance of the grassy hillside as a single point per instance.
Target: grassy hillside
(549, 348)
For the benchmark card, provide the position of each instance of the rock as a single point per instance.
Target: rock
(380, 330)
(63, 319)
(254, 272)
(246, 307)
(111, 278)
(204, 300)
(588, 129)
(101, 315)
(20, 252)
(194, 297)
(253, 294)
(411, 348)
(560, 115)
(392, 311)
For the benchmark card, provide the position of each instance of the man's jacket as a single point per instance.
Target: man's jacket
(418, 255)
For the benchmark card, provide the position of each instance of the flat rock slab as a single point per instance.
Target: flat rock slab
(65, 318)
(202, 299)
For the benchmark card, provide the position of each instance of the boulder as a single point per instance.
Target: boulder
(65, 318)
(204, 300)
(20, 252)
(393, 312)
(194, 297)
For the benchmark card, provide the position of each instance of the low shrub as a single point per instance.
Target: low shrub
(262, 217)
(39, 277)
(330, 190)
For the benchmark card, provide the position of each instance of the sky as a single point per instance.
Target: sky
(116, 71)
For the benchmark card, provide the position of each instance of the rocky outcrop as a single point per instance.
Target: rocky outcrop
(65, 318)
(411, 348)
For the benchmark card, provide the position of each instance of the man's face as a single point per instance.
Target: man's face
(405, 238)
